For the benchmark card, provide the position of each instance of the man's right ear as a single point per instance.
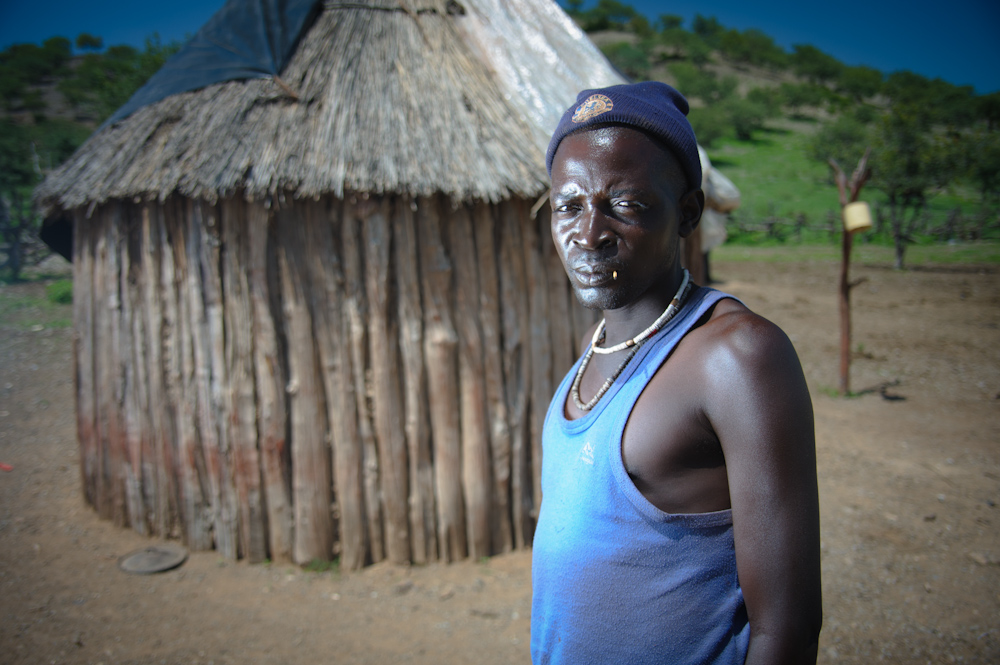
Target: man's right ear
(691, 206)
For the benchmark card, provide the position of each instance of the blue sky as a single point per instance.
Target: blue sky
(958, 41)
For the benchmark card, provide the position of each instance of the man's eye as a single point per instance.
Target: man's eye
(628, 204)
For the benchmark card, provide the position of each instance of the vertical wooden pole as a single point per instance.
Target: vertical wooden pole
(168, 340)
(84, 351)
(154, 476)
(115, 398)
(848, 192)
(410, 313)
(440, 341)
(333, 344)
(844, 303)
(310, 455)
(241, 395)
(516, 362)
(476, 460)
(216, 440)
(489, 318)
(269, 374)
(102, 366)
(180, 381)
(355, 308)
(383, 338)
(133, 338)
(541, 347)
(197, 367)
(201, 379)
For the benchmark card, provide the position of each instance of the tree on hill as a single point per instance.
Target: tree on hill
(88, 42)
(903, 169)
(630, 59)
(708, 28)
(814, 65)
(752, 47)
(860, 82)
(670, 21)
(934, 101)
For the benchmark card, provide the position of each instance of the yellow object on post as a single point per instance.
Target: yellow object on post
(857, 217)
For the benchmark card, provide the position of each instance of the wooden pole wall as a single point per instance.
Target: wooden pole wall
(364, 378)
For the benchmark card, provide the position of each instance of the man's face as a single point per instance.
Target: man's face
(619, 209)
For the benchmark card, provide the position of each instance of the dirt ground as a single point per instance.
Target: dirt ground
(909, 476)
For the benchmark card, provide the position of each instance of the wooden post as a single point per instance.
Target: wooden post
(83, 353)
(196, 296)
(383, 338)
(541, 348)
(476, 473)
(411, 334)
(180, 381)
(117, 453)
(355, 308)
(489, 318)
(241, 396)
(516, 362)
(164, 338)
(440, 342)
(269, 374)
(333, 343)
(215, 404)
(310, 457)
(849, 192)
(103, 373)
(156, 476)
(135, 406)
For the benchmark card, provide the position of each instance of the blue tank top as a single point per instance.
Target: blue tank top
(614, 578)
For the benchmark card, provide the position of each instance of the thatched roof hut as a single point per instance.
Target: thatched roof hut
(314, 312)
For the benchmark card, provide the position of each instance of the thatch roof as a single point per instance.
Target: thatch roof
(383, 96)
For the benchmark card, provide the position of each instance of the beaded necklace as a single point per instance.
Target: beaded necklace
(668, 314)
(632, 344)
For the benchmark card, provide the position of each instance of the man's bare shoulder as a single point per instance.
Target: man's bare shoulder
(734, 338)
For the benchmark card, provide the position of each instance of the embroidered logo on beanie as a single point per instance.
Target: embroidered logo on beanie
(594, 106)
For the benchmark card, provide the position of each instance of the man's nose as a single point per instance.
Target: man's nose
(594, 231)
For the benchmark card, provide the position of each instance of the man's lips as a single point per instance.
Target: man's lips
(593, 275)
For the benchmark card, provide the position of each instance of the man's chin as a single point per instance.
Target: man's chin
(598, 299)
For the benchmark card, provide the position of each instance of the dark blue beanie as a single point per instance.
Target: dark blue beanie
(652, 107)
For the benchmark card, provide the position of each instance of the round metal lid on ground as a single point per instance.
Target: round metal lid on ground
(153, 559)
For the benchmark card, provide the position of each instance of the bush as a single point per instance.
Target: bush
(60, 292)
(702, 84)
(709, 124)
(631, 60)
(746, 117)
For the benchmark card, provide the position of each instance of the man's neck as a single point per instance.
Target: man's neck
(629, 320)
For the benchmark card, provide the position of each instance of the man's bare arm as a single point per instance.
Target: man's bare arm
(760, 409)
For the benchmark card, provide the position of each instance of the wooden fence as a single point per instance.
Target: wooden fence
(364, 378)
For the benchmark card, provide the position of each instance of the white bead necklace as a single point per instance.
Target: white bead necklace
(668, 314)
(633, 344)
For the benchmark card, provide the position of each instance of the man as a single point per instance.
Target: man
(679, 519)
